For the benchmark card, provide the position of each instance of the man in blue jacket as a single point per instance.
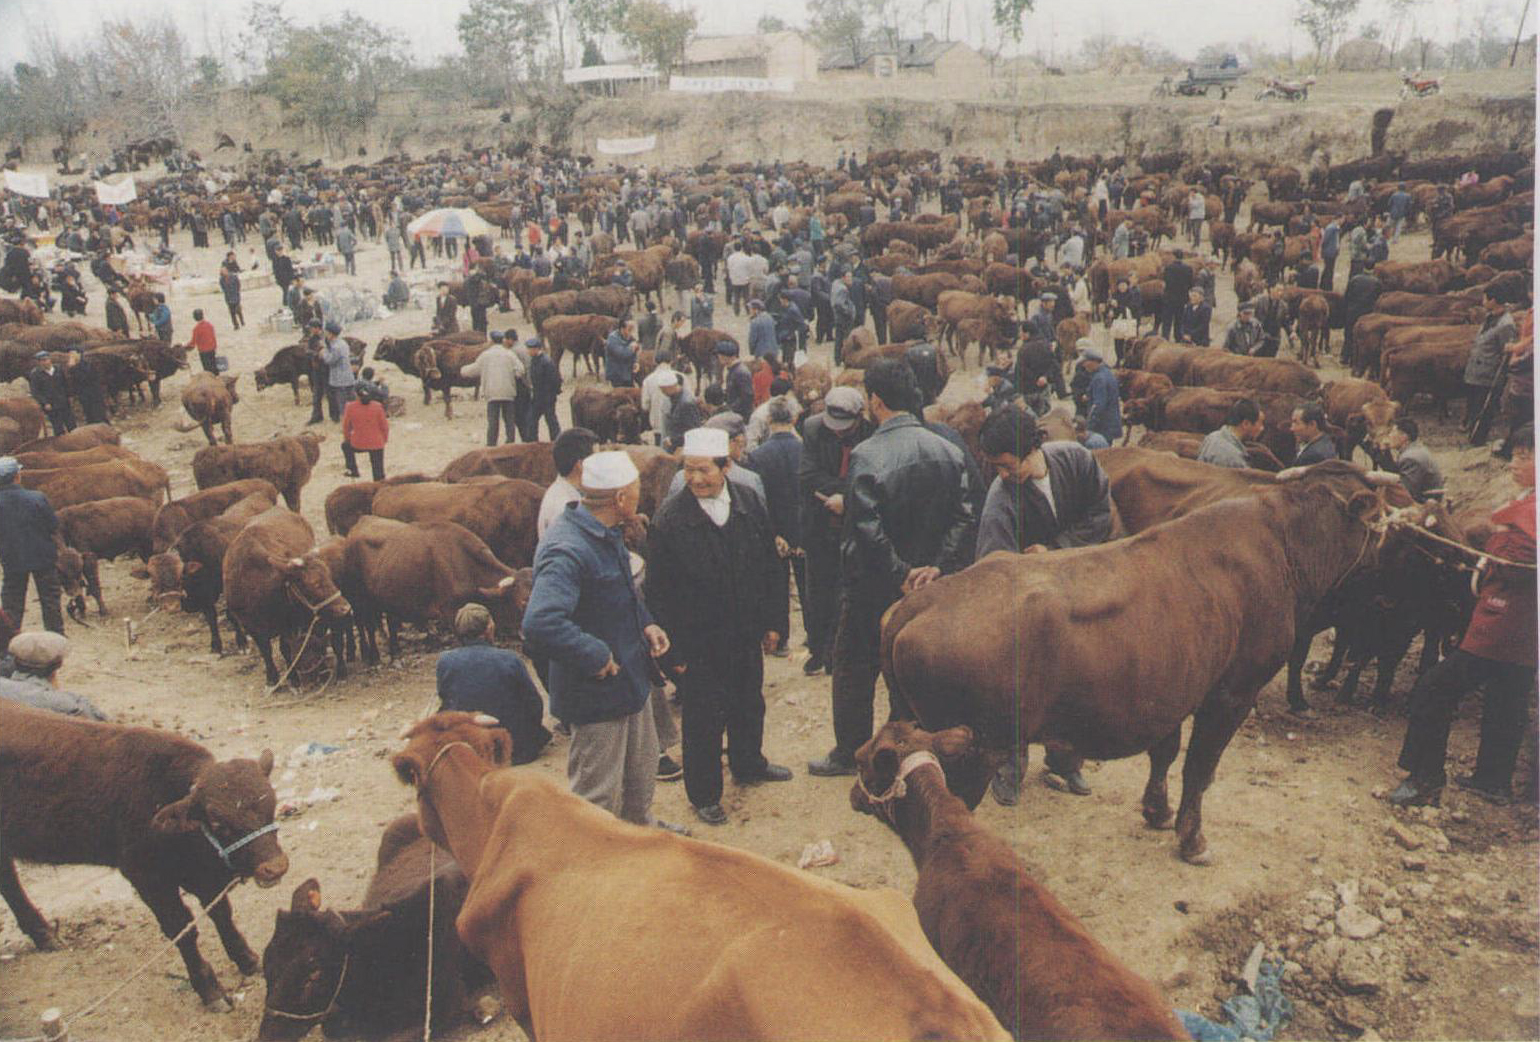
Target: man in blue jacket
(1105, 415)
(620, 356)
(762, 340)
(586, 615)
(478, 677)
(27, 549)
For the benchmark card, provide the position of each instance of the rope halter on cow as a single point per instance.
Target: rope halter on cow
(314, 609)
(225, 852)
(896, 791)
(331, 1004)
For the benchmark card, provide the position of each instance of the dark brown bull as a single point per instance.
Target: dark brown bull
(531, 461)
(613, 414)
(345, 504)
(211, 399)
(1073, 652)
(147, 803)
(173, 518)
(286, 462)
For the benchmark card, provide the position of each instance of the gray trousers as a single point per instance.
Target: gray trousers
(614, 764)
(663, 720)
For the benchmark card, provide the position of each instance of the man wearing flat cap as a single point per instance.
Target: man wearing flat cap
(34, 680)
(711, 581)
(27, 548)
(681, 413)
(1104, 411)
(49, 390)
(585, 614)
(737, 381)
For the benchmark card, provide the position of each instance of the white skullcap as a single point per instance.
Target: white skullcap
(705, 441)
(607, 471)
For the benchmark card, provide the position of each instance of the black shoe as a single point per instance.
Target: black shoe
(813, 666)
(772, 772)
(831, 766)
(668, 770)
(1412, 793)
(1492, 794)
(1005, 789)
(1303, 713)
(712, 815)
(351, 474)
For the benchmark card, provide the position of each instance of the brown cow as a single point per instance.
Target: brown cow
(176, 516)
(613, 414)
(581, 336)
(1137, 383)
(1314, 328)
(345, 504)
(910, 321)
(109, 528)
(1360, 408)
(699, 348)
(438, 365)
(1017, 946)
(531, 461)
(26, 414)
(85, 437)
(211, 399)
(1425, 361)
(277, 586)
(68, 486)
(79, 458)
(285, 461)
(1432, 276)
(423, 572)
(146, 803)
(1073, 681)
(1511, 254)
(501, 512)
(1187, 445)
(955, 306)
(924, 290)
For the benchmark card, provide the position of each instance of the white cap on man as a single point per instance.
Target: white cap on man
(706, 442)
(608, 471)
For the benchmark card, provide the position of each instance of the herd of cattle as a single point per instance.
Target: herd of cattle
(1332, 547)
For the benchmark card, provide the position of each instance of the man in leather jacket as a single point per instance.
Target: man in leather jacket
(906, 522)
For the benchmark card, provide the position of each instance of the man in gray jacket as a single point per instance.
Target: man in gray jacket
(1226, 447)
(340, 380)
(1419, 473)
(499, 371)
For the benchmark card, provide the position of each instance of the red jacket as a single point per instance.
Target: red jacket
(762, 381)
(364, 426)
(1502, 625)
(203, 336)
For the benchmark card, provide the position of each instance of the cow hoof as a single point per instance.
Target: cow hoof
(46, 941)
(1159, 821)
(1198, 857)
(249, 964)
(218, 1002)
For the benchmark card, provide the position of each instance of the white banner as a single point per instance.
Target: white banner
(626, 146)
(33, 185)
(719, 84)
(119, 194)
(598, 73)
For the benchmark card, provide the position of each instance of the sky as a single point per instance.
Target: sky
(1054, 30)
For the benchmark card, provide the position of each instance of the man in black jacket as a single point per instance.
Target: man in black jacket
(828, 439)
(711, 579)
(777, 461)
(1179, 279)
(1038, 374)
(906, 521)
(545, 388)
(1045, 496)
(51, 393)
(27, 550)
(1358, 298)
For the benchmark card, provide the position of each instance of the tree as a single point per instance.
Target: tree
(840, 25)
(330, 77)
(503, 40)
(51, 93)
(1010, 16)
(145, 71)
(769, 23)
(210, 73)
(1325, 21)
(594, 18)
(657, 33)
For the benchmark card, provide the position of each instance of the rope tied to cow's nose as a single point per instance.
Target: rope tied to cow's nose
(898, 789)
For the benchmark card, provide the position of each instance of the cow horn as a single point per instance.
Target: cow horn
(486, 720)
(506, 581)
(1382, 478)
(406, 729)
(1290, 474)
(296, 562)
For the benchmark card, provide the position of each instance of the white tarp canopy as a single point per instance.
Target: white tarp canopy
(601, 73)
(34, 186)
(625, 146)
(721, 84)
(119, 194)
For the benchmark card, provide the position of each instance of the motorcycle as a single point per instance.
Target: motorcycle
(1288, 90)
(1411, 86)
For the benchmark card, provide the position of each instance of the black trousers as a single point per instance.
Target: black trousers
(820, 595)
(501, 411)
(318, 387)
(880, 324)
(530, 429)
(237, 315)
(723, 695)
(206, 359)
(1328, 266)
(798, 568)
(479, 317)
(842, 328)
(13, 596)
(857, 663)
(1431, 707)
(1170, 316)
(63, 419)
(376, 460)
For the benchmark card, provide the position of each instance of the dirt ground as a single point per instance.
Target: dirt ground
(1295, 817)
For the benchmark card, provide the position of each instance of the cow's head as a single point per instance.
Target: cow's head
(263, 380)
(428, 742)
(165, 572)
(309, 583)
(231, 800)
(306, 961)
(629, 421)
(71, 568)
(507, 600)
(388, 350)
(879, 761)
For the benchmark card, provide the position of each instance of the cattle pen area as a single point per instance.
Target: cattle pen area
(1305, 905)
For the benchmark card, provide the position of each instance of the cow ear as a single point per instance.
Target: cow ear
(954, 745)
(192, 568)
(180, 816)
(307, 897)
(140, 572)
(265, 761)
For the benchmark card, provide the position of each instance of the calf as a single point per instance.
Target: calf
(79, 577)
(289, 365)
(68, 486)
(364, 971)
(88, 436)
(211, 399)
(1017, 946)
(423, 572)
(157, 807)
(189, 575)
(285, 462)
(277, 586)
(1314, 328)
(613, 414)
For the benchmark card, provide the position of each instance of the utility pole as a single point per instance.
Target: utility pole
(1518, 36)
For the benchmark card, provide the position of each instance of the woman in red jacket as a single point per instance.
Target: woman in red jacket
(365, 428)
(1497, 655)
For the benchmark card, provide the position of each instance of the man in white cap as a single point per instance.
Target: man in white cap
(34, 680)
(1104, 413)
(711, 580)
(27, 549)
(737, 441)
(585, 615)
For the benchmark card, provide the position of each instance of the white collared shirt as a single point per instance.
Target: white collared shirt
(717, 507)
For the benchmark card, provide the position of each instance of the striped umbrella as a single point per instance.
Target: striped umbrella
(450, 222)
